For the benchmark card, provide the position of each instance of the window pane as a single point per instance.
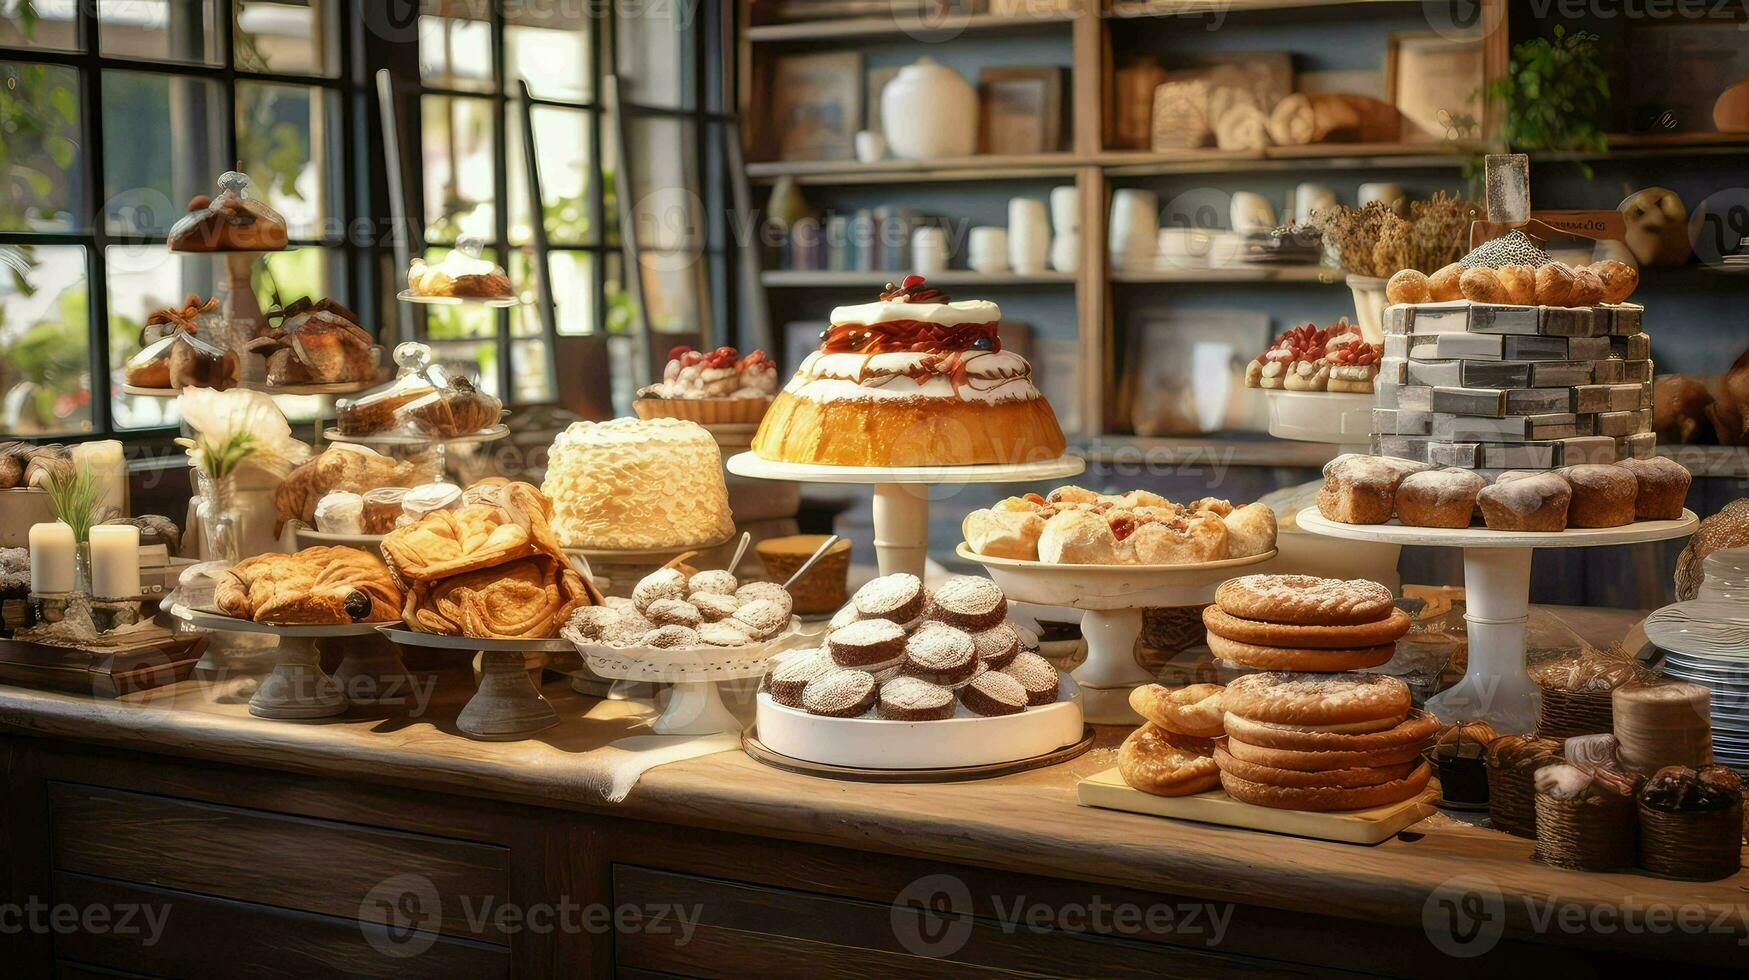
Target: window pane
(673, 291)
(619, 312)
(39, 144)
(562, 145)
(551, 47)
(455, 51)
(160, 30)
(662, 166)
(654, 58)
(299, 272)
(283, 132)
(45, 377)
(27, 24)
(142, 280)
(573, 275)
(528, 371)
(163, 143)
(460, 168)
(288, 38)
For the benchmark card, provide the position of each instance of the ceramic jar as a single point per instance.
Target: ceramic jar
(928, 112)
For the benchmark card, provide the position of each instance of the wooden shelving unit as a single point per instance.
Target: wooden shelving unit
(1089, 37)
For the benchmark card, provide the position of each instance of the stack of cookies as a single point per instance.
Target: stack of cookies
(1303, 623)
(900, 652)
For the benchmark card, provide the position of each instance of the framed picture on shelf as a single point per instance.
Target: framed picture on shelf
(1189, 371)
(816, 106)
(1020, 110)
(1435, 82)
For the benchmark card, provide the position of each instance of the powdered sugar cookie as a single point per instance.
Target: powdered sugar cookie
(1288, 658)
(1304, 599)
(1386, 630)
(1316, 699)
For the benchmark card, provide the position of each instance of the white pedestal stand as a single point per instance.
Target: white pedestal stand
(901, 497)
(1112, 598)
(297, 688)
(695, 706)
(1496, 688)
(506, 706)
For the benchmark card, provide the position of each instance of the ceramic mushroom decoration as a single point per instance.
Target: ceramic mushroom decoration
(928, 112)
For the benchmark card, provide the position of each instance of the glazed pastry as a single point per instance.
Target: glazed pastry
(1408, 286)
(229, 222)
(1443, 286)
(1588, 289)
(316, 586)
(1535, 502)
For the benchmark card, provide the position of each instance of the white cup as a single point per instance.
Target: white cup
(1066, 251)
(1135, 226)
(1029, 235)
(1065, 209)
(987, 250)
(1391, 195)
(1309, 198)
(929, 251)
(871, 146)
(1250, 212)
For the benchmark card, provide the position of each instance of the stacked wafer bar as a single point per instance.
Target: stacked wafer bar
(1483, 386)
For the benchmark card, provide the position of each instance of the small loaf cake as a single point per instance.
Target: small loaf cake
(637, 484)
(1662, 487)
(1531, 503)
(1603, 496)
(1361, 489)
(1439, 498)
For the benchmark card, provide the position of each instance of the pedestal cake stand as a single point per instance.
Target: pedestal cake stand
(901, 497)
(695, 706)
(298, 688)
(506, 706)
(1111, 598)
(1496, 688)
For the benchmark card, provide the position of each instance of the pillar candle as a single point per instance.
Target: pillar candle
(115, 561)
(51, 558)
(109, 471)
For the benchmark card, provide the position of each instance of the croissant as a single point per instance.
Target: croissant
(313, 587)
(1556, 285)
(1619, 279)
(1482, 286)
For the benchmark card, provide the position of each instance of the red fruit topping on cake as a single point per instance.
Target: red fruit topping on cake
(1035, 498)
(1122, 527)
(913, 290)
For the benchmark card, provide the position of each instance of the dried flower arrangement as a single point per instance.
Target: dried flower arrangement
(1374, 241)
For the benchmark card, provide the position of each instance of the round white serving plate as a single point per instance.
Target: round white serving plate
(333, 434)
(752, 465)
(473, 644)
(1712, 628)
(139, 392)
(309, 536)
(963, 740)
(1483, 537)
(409, 296)
(1343, 418)
(1109, 586)
(212, 619)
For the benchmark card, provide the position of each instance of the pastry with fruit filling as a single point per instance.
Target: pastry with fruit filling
(1313, 358)
(715, 387)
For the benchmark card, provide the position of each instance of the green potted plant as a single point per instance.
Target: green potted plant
(1555, 93)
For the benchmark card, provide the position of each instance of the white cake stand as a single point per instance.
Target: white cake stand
(1341, 418)
(901, 497)
(507, 706)
(496, 303)
(333, 434)
(298, 688)
(695, 706)
(1111, 598)
(1496, 688)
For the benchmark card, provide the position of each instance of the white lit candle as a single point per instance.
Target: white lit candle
(51, 558)
(115, 561)
(109, 471)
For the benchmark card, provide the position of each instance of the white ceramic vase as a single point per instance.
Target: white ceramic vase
(929, 251)
(929, 112)
(987, 251)
(1066, 227)
(1029, 235)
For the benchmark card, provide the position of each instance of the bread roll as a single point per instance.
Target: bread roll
(1619, 279)
(1533, 503)
(1587, 288)
(1443, 285)
(1482, 286)
(1520, 283)
(1603, 495)
(1408, 286)
(1556, 284)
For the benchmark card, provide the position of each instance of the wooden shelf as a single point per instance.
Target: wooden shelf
(968, 169)
(916, 28)
(1127, 9)
(1320, 156)
(809, 278)
(1249, 274)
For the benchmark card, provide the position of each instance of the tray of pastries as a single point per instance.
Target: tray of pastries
(1076, 526)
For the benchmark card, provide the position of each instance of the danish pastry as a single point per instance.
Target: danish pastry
(1194, 710)
(1154, 761)
(312, 587)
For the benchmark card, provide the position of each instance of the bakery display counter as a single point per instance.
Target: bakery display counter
(776, 870)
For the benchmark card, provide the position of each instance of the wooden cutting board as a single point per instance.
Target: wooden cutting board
(1107, 789)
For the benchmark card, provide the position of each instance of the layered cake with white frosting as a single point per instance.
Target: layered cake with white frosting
(637, 484)
(911, 380)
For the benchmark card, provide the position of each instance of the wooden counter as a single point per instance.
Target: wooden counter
(289, 829)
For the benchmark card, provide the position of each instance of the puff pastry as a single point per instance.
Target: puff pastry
(312, 587)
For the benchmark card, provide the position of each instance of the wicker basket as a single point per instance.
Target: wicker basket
(1692, 845)
(1566, 713)
(1173, 629)
(1588, 834)
(1512, 801)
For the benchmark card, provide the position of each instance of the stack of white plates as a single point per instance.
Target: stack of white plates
(1707, 641)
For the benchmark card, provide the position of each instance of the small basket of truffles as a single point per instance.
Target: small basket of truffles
(1585, 817)
(1691, 823)
(1513, 762)
(718, 387)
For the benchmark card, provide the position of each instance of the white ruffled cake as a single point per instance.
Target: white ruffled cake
(637, 484)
